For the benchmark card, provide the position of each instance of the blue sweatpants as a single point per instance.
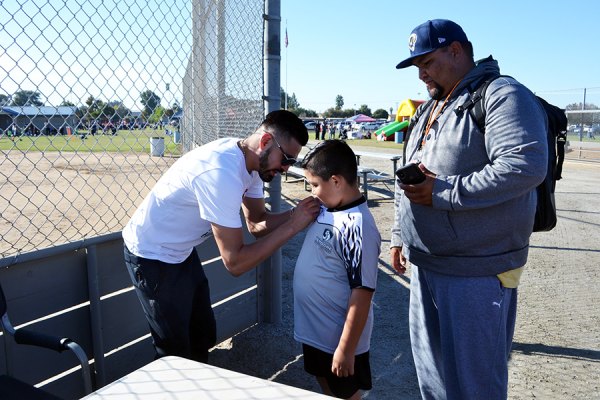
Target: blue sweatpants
(461, 331)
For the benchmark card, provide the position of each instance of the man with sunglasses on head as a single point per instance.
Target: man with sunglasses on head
(198, 197)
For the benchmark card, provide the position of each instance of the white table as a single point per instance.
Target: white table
(179, 378)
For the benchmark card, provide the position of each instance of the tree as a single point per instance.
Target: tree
(364, 109)
(157, 115)
(150, 101)
(67, 103)
(333, 113)
(281, 98)
(27, 98)
(292, 101)
(121, 112)
(339, 102)
(380, 113)
(301, 112)
(99, 111)
(578, 106)
(3, 100)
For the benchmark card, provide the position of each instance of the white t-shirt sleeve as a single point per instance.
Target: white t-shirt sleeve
(256, 190)
(219, 194)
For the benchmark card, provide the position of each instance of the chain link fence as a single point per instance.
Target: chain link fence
(98, 99)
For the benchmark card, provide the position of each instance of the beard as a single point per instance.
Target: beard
(263, 171)
(436, 92)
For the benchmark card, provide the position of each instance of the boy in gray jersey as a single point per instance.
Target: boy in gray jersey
(336, 275)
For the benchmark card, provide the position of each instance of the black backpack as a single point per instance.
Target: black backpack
(545, 213)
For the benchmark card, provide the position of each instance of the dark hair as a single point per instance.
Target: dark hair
(468, 48)
(287, 124)
(331, 157)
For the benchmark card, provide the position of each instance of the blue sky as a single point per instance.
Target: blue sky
(351, 48)
(344, 47)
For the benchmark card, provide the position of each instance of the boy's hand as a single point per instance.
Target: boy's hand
(343, 364)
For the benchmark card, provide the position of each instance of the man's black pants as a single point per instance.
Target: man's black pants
(176, 301)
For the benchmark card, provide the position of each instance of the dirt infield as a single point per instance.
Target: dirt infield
(49, 198)
(556, 350)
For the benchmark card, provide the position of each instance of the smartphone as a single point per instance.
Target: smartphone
(410, 174)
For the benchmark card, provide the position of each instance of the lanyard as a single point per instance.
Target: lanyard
(432, 118)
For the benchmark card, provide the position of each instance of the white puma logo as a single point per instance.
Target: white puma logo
(495, 303)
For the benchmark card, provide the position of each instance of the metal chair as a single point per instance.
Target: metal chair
(11, 387)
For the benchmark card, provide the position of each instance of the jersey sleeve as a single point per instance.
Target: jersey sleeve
(360, 252)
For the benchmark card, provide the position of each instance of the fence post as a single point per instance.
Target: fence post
(269, 273)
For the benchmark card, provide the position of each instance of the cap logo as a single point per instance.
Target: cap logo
(412, 40)
(441, 40)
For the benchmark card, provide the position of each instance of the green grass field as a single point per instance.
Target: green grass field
(125, 141)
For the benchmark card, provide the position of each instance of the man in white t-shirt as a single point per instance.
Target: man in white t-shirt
(198, 197)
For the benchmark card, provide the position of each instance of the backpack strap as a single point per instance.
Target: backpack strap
(561, 140)
(475, 103)
(478, 110)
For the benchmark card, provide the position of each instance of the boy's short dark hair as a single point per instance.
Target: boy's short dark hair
(331, 157)
(287, 124)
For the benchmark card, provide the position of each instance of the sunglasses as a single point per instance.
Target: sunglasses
(286, 160)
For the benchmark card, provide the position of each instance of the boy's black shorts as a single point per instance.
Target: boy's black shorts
(318, 363)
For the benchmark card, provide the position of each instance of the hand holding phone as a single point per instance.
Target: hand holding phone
(410, 174)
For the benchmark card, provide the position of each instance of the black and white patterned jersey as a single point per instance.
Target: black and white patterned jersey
(340, 253)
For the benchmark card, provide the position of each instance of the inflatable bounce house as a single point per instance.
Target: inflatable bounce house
(395, 130)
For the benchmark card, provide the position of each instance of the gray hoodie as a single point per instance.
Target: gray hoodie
(484, 194)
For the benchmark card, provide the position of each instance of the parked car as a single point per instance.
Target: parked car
(371, 126)
(310, 125)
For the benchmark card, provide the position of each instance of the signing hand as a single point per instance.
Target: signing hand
(306, 212)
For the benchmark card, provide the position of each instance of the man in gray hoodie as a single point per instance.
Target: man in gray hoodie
(466, 228)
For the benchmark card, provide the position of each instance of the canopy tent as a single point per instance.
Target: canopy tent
(360, 118)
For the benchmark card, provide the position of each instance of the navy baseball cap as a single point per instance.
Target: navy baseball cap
(430, 36)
